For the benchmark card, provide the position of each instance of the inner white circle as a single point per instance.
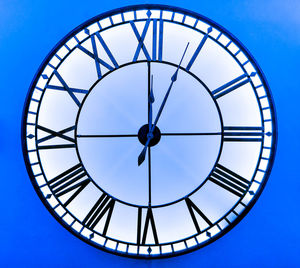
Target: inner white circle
(118, 105)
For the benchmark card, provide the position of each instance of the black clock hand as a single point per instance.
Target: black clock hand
(141, 157)
(173, 80)
(150, 101)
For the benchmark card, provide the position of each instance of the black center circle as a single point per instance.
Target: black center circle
(143, 135)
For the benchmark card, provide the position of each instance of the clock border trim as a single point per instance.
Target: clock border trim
(111, 13)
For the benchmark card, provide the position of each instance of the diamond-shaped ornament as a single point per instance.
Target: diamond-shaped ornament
(30, 136)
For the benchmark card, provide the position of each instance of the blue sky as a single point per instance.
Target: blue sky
(267, 237)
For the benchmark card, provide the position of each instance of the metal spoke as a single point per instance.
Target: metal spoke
(149, 175)
(150, 126)
(192, 134)
(107, 136)
(163, 134)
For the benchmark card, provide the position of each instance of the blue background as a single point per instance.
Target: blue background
(267, 237)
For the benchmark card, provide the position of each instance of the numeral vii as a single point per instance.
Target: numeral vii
(229, 180)
(72, 179)
(105, 204)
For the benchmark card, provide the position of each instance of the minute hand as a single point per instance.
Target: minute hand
(173, 79)
(141, 157)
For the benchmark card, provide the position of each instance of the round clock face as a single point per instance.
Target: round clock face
(149, 131)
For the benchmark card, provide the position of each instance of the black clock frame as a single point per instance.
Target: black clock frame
(111, 13)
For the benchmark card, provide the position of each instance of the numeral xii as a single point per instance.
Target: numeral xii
(157, 40)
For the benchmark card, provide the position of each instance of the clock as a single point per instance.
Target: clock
(149, 131)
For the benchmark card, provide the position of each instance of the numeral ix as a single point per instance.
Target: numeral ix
(53, 134)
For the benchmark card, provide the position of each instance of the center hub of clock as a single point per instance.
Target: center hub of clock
(144, 134)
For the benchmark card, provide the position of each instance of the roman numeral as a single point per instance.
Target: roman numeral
(229, 180)
(232, 85)
(65, 87)
(95, 56)
(105, 204)
(243, 134)
(68, 181)
(142, 236)
(192, 209)
(73, 90)
(197, 51)
(157, 49)
(53, 134)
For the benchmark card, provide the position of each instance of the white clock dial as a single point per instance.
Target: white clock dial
(149, 131)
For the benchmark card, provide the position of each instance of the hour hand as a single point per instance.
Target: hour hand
(142, 155)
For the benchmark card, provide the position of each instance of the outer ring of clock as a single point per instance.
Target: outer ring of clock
(135, 8)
